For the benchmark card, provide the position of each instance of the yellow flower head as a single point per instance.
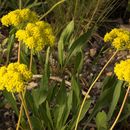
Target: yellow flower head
(122, 70)
(119, 38)
(36, 35)
(19, 16)
(2, 72)
(14, 76)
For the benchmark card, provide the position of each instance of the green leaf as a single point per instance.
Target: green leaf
(76, 102)
(40, 57)
(62, 94)
(108, 82)
(11, 41)
(101, 121)
(31, 103)
(84, 111)
(104, 99)
(11, 100)
(63, 128)
(79, 43)
(67, 107)
(45, 114)
(67, 32)
(48, 112)
(46, 69)
(60, 106)
(115, 98)
(126, 113)
(79, 62)
(36, 123)
(34, 66)
(52, 92)
(76, 94)
(40, 94)
(64, 38)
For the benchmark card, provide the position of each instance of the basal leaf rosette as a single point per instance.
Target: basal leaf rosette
(122, 70)
(19, 16)
(14, 77)
(119, 38)
(36, 35)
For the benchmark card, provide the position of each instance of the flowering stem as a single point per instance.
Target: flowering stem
(31, 58)
(20, 115)
(122, 106)
(20, 112)
(87, 94)
(58, 3)
(26, 111)
(19, 52)
(21, 107)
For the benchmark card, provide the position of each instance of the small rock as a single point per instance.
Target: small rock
(32, 85)
(7, 106)
(10, 128)
(98, 85)
(86, 53)
(93, 52)
(109, 73)
(91, 74)
(128, 56)
(7, 123)
(88, 62)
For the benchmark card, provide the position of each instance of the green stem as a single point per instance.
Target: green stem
(122, 106)
(31, 58)
(58, 3)
(76, 4)
(87, 94)
(13, 96)
(20, 4)
(19, 48)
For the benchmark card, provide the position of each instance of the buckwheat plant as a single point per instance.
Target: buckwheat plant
(120, 40)
(35, 35)
(122, 71)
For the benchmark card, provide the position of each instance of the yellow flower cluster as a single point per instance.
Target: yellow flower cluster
(36, 35)
(122, 70)
(14, 76)
(119, 38)
(19, 16)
